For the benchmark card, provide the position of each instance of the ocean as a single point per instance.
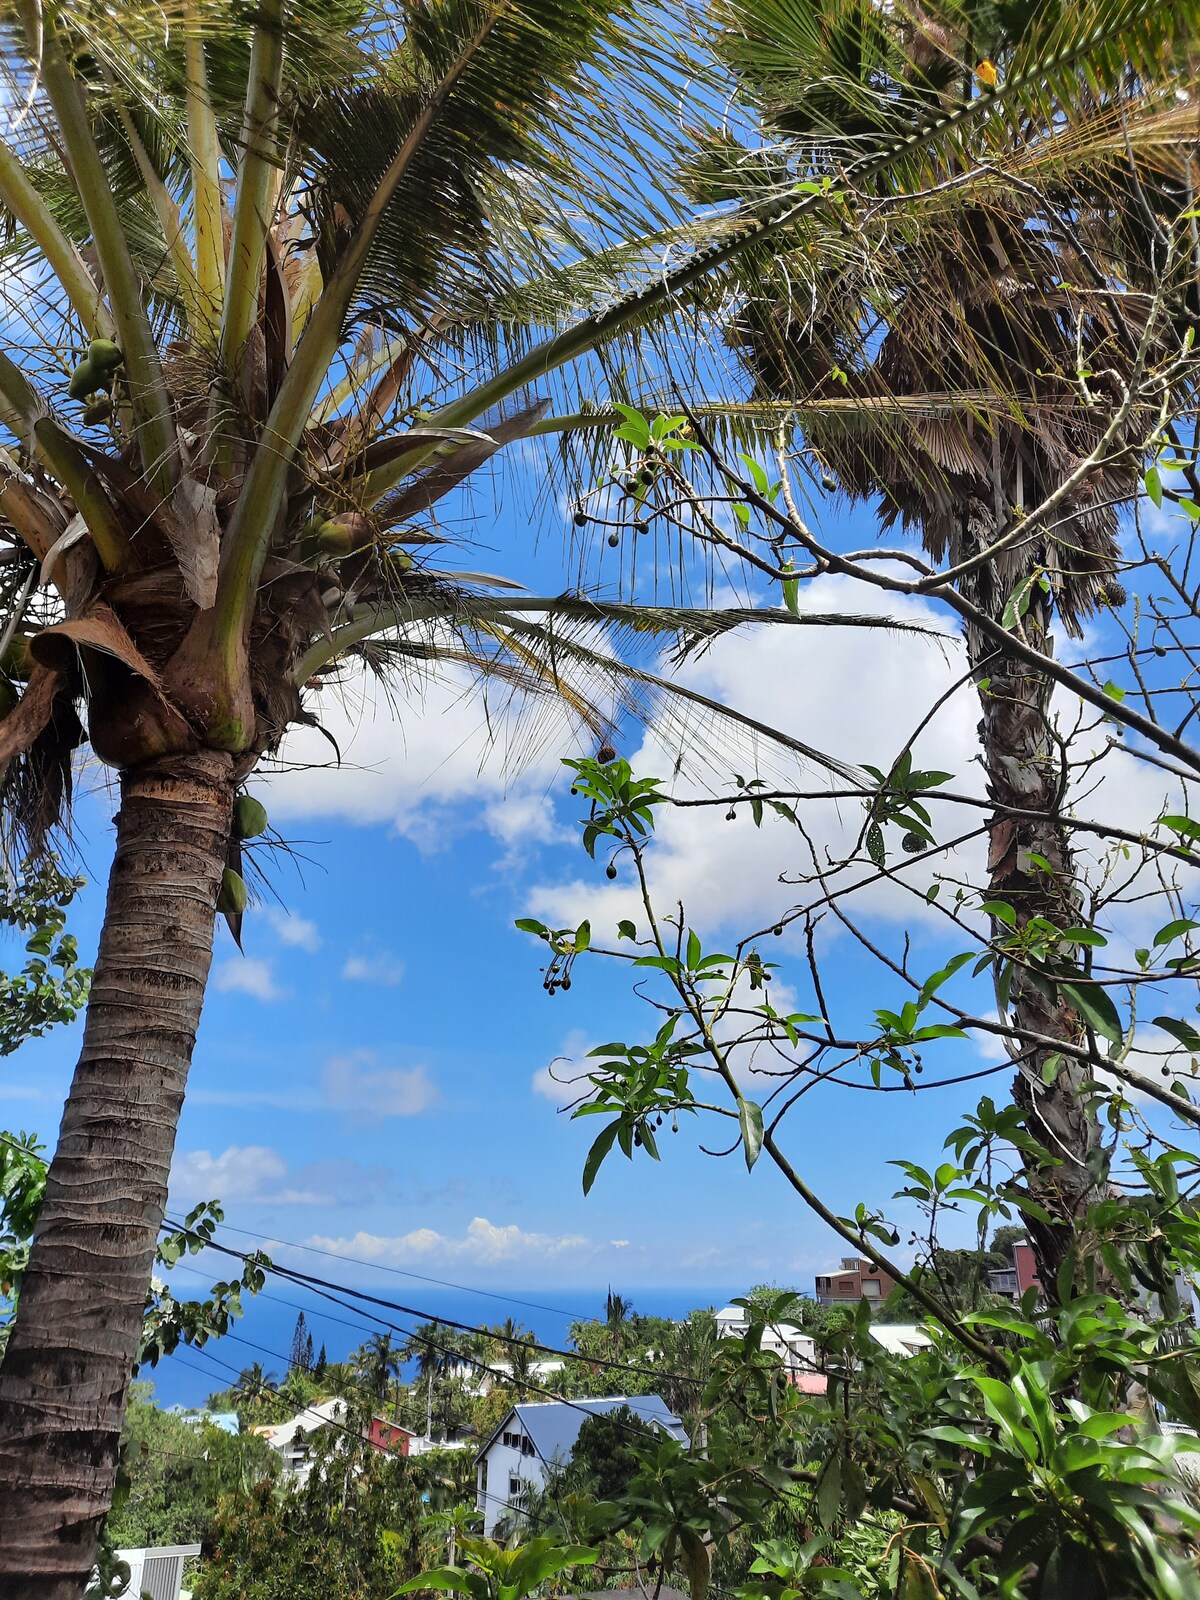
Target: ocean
(264, 1333)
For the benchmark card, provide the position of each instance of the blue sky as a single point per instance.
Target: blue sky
(371, 1074)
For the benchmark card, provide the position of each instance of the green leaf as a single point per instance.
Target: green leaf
(1172, 930)
(1183, 1031)
(595, 1156)
(1096, 1008)
(750, 1120)
(829, 1492)
(635, 427)
(626, 930)
(1153, 484)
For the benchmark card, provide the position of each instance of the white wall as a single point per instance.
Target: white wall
(504, 1464)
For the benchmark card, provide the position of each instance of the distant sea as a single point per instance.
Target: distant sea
(264, 1334)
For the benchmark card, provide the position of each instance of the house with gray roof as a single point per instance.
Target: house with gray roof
(533, 1438)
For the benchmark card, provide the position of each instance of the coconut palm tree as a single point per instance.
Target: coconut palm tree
(617, 1314)
(278, 279)
(944, 373)
(379, 1363)
(432, 1347)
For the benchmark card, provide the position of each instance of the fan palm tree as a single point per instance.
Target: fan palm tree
(308, 252)
(944, 372)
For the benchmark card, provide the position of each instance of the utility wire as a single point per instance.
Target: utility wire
(329, 1289)
(402, 1272)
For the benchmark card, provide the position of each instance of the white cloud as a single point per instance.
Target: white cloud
(296, 932)
(381, 968)
(483, 1243)
(450, 743)
(247, 975)
(560, 1080)
(257, 1172)
(850, 693)
(358, 1083)
(242, 1172)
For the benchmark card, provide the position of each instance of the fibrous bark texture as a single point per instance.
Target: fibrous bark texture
(66, 1369)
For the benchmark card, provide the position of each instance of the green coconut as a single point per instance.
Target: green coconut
(104, 356)
(334, 539)
(85, 380)
(16, 662)
(249, 817)
(232, 900)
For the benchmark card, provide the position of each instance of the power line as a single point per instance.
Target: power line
(327, 1289)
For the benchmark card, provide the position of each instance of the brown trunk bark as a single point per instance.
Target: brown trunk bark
(67, 1366)
(1024, 775)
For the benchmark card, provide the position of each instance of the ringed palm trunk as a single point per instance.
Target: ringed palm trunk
(66, 1370)
(1025, 784)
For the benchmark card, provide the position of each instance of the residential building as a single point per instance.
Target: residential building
(384, 1435)
(480, 1379)
(1012, 1281)
(157, 1572)
(854, 1280)
(901, 1338)
(534, 1438)
(791, 1344)
(292, 1440)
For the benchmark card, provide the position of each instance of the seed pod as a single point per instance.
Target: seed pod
(912, 844)
(85, 380)
(232, 900)
(614, 540)
(104, 356)
(610, 870)
(581, 519)
(606, 753)
(249, 817)
(97, 411)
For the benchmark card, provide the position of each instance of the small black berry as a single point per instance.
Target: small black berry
(610, 870)
(614, 540)
(581, 519)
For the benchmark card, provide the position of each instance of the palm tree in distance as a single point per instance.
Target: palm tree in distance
(430, 1346)
(379, 1363)
(617, 1314)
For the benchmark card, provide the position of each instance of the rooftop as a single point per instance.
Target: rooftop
(553, 1425)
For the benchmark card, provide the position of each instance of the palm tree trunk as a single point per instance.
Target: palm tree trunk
(1024, 776)
(67, 1367)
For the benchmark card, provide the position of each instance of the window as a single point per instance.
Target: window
(871, 1289)
(514, 1487)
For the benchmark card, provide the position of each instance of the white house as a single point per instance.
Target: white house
(792, 1345)
(480, 1379)
(157, 1572)
(292, 1440)
(535, 1437)
(901, 1338)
